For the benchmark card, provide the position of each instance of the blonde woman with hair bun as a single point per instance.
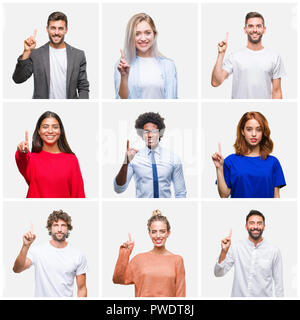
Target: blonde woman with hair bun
(156, 273)
(142, 71)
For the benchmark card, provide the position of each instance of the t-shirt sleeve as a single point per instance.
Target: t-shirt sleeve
(228, 64)
(278, 176)
(82, 267)
(278, 71)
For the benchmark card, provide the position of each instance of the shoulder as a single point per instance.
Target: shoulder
(232, 157)
(166, 62)
(271, 247)
(75, 252)
(74, 49)
(271, 53)
(272, 159)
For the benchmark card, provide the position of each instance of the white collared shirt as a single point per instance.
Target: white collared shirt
(169, 169)
(255, 269)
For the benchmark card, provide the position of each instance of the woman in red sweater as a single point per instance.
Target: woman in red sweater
(51, 169)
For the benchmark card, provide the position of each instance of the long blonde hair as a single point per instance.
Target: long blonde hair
(129, 45)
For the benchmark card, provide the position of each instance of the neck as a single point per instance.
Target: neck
(58, 46)
(159, 250)
(255, 242)
(51, 148)
(58, 244)
(146, 54)
(152, 147)
(254, 151)
(255, 46)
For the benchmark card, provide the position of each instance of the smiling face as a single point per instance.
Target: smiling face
(56, 32)
(158, 233)
(255, 227)
(252, 133)
(49, 131)
(144, 37)
(255, 29)
(151, 135)
(59, 230)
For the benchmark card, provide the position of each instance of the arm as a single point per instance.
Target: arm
(24, 67)
(180, 279)
(22, 262)
(223, 190)
(82, 82)
(81, 285)
(276, 192)
(277, 274)
(276, 89)
(122, 272)
(170, 80)
(77, 185)
(218, 74)
(178, 181)
(121, 78)
(23, 160)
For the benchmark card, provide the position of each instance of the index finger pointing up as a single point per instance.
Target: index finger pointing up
(122, 54)
(129, 237)
(230, 233)
(127, 144)
(26, 136)
(34, 33)
(226, 37)
(219, 147)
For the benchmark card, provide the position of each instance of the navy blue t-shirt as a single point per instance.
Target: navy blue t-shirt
(252, 177)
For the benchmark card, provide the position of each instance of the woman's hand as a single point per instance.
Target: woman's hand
(218, 158)
(24, 145)
(129, 244)
(123, 66)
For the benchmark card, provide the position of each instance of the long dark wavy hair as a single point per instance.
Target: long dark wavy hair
(37, 142)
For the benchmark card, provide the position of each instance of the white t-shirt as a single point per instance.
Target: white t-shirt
(56, 269)
(253, 72)
(58, 73)
(151, 80)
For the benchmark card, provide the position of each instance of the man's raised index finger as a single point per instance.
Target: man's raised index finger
(226, 36)
(230, 233)
(129, 237)
(34, 33)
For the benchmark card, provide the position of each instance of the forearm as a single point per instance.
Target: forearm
(276, 93)
(82, 291)
(223, 190)
(222, 256)
(122, 175)
(276, 192)
(25, 55)
(20, 262)
(217, 75)
(123, 89)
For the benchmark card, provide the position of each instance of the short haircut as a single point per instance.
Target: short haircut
(150, 117)
(255, 213)
(59, 215)
(55, 16)
(253, 15)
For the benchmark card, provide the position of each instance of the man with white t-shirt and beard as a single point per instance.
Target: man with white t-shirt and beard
(56, 262)
(257, 71)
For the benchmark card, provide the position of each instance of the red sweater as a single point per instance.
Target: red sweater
(51, 175)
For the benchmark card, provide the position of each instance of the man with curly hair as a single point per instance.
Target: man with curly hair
(154, 168)
(56, 262)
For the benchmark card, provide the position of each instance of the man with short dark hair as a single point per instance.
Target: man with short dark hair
(257, 263)
(257, 71)
(59, 70)
(154, 168)
(56, 262)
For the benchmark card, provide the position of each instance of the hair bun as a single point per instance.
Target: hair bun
(156, 213)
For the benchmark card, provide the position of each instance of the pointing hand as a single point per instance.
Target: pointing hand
(24, 145)
(226, 242)
(222, 46)
(29, 237)
(30, 43)
(130, 153)
(217, 157)
(129, 244)
(123, 66)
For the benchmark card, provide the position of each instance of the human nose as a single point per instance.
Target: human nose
(143, 37)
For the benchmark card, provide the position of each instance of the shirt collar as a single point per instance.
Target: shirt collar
(251, 244)
(157, 150)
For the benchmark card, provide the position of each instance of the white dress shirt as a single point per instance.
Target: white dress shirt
(255, 269)
(169, 169)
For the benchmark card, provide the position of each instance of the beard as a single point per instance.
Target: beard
(62, 239)
(253, 236)
(56, 43)
(254, 41)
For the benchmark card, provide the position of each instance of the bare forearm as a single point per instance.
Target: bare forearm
(19, 265)
(222, 256)
(123, 90)
(223, 190)
(122, 175)
(217, 75)
(276, 94)
(26, 54)
(82, 292)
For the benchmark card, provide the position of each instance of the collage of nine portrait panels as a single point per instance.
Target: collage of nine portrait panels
(128, 132)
